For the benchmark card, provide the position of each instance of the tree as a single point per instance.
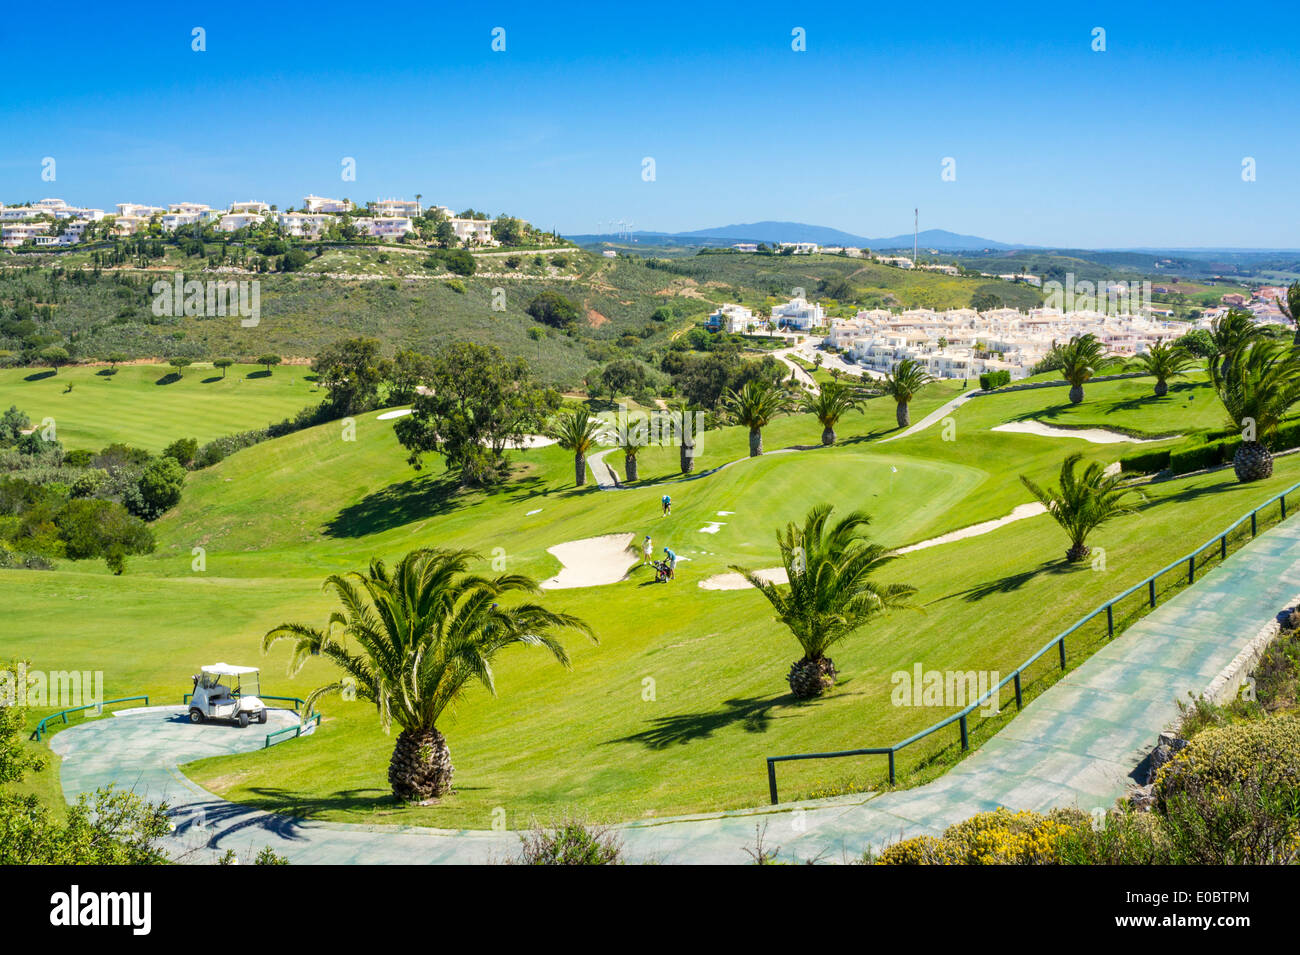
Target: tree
(93, 527)
(754, 406)
(407, 372)
(577, 431)
(158, 488)
(903, 384)
(478, 403)
(832, 403)
(1289, 305)
(180, 364)
(1082, 503)
(553, 309)
(460, 261)
(422, 634)
(1081, 358)
(351, 371)
(984, 301)
(268, 361)
(623, 377)
(223, 364)
(830, 593)
(182, 450)
(1258, 387)
(55, 356)
(1164, 361)
(1231, 333)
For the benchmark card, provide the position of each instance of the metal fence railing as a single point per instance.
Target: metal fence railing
(63, 714)
(1150, 588)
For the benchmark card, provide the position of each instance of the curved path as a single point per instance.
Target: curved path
(1079, 744)
(934, 416)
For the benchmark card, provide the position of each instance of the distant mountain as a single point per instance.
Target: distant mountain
(772, 232)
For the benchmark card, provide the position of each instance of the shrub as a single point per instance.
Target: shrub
(1197, 457)
(570, 843)
(1144, 462)
(1219, 758)
(994, 379)
(1001, 837)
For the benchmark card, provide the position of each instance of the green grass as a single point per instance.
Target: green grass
(147, 407)
(274, 519)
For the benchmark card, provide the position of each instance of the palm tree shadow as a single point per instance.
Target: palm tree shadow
(754, 715)
(1013, 582)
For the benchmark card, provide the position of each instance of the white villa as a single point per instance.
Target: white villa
(474, 231)
(388, 227)
(14, 234)
(731, 318)
(319, 204)
(799, 313)
(233, 221)
(302, 224)
(133, 210)
(250, 207)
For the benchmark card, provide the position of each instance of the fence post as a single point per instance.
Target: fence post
(1110, 621)
(771, 778)
(1253, 531)
(1223, 547)
(891, 769)
(1151, 589)
(965, 735)
(1191, 569)
(1061, 646)
(1283, 507)
(1019, 702)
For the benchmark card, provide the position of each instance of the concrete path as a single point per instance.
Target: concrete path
(934, 416)
(1079, 744)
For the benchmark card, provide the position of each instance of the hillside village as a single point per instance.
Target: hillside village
(54, 223)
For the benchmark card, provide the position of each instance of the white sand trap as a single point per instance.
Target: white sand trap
(1019, 513)
(734, 581)
(531, 513)
(530, 441)
(592, 562)
(399, 413)
(1095, 435)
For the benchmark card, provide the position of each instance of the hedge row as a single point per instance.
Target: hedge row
(1205, 449)
(994, 379)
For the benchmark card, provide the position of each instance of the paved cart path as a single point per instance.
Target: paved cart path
(1078, 744)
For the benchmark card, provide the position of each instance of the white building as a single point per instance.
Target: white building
(389, 227)
(474, 231)
(395, 207)
(233, 221)
(801, 248)
(320, 204)
(14, 234)
(732, 319)
(799, 313)
(187, 208)
(303, 223)
(129, 225)
(250, 207)
(136, 210)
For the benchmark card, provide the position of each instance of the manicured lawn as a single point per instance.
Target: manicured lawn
(145, 406)
(685, 694)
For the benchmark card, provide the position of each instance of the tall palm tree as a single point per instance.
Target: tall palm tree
(1231, 333)
(1258, 388)
(1081, 358)
(1164, 360)
(902, 384)
(420, 634)
(1083, 502)
(754, 406)
(577, 431)
(830, 593)
(829, 405)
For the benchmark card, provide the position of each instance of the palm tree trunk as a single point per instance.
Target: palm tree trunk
(1077, 552)
(629, 467)
(1162, 387)
(1252, 462)
(903, 414)
(828, 435)
(580, 469)
(1076, 394)
(755, 442)
(811, 677)
(421, 767)
(686, 456)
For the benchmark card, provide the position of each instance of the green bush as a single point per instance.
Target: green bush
(1222, 757)
(1197, 457)
(1144, 462)
(994, 379)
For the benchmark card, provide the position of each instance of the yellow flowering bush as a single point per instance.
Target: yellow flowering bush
(1001, 837)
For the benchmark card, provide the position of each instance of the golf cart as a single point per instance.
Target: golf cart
(225, 692)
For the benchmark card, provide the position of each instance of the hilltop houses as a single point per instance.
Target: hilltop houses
(733, 319)
(319, 204)
(799, 313)
(474, 231)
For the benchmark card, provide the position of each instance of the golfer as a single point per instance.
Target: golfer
(667, 503)
(648, 548)
(671, 558)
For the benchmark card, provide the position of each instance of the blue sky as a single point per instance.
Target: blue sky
(1054, 144)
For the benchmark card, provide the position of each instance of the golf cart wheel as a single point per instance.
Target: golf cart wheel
(243, 719)
(196, 715)
(261, 717)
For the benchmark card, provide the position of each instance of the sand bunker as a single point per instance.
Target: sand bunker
(1095, 435)
(734, 581)
(592, 562)
(399, 413)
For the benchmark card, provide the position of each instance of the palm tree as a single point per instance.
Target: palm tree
(1081, 358)
(1230, 333)
(1259, 386)
(1164, 361)
(832, 403)
(422, 633)
(1083, 503)
(754, 406)
(1289, 305)
(902, 384)
(577, 431)
(830, 593)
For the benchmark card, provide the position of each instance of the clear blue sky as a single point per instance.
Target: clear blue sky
(1055, 144)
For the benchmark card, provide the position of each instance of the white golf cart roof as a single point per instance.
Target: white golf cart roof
(227, 669)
